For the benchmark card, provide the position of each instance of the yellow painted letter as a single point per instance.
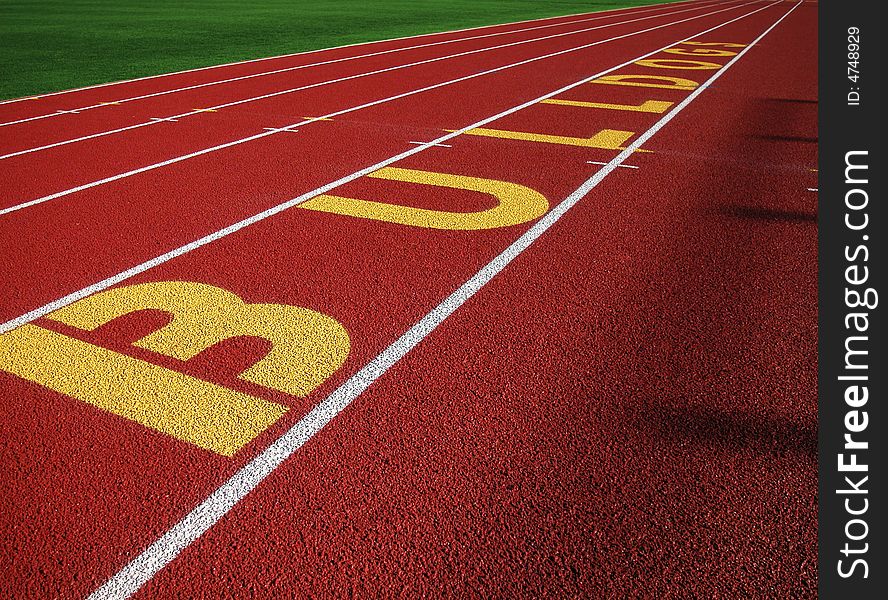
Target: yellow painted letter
(307, 347)
(677, 63)
(723, 44)
(648, 106)
(608, 139)
(515, 203)
(651, 81)
(699, 52)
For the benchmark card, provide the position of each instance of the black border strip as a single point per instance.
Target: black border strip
(852, 270)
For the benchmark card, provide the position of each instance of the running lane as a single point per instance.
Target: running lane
(422, 466)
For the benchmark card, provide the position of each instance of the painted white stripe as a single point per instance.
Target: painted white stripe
(257, 136)
(333, 81)
(423, 143)
(127, 581)
(598, 162)
(319, 50)
(326, 62)
(225, 232)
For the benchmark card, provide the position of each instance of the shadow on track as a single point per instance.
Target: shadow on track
(768, 214)
(732, 430)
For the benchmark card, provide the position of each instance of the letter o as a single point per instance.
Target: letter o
(848, 529)
(850, 194)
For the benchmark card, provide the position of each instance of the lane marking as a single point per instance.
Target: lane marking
(206, 110)
(442, 145)
(270, 212)
(813, 189)
(206, 514)
(279, 129)
(159, 119)
(597, 162)
(653, 6)
(316, 119)
(337, 80)
(257, 136)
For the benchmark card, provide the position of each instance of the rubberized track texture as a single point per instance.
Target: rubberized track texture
(521, 311)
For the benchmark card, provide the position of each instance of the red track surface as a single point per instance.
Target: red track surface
(627, 410)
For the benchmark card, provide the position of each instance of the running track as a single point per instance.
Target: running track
(532, 313)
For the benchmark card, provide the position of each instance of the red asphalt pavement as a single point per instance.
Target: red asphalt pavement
(628, 409)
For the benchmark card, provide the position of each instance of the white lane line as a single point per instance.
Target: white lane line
(135, 574)
(319, 50)
(598, 162)
(299, 67)
(161, 119)
(280, 129)
(269, 212)
(423, 143)
(337, 80)
(257, 136)
(812, 189)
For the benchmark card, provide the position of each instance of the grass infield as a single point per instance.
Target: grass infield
(54, 45)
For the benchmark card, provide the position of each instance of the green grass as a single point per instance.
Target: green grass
(51, 45)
